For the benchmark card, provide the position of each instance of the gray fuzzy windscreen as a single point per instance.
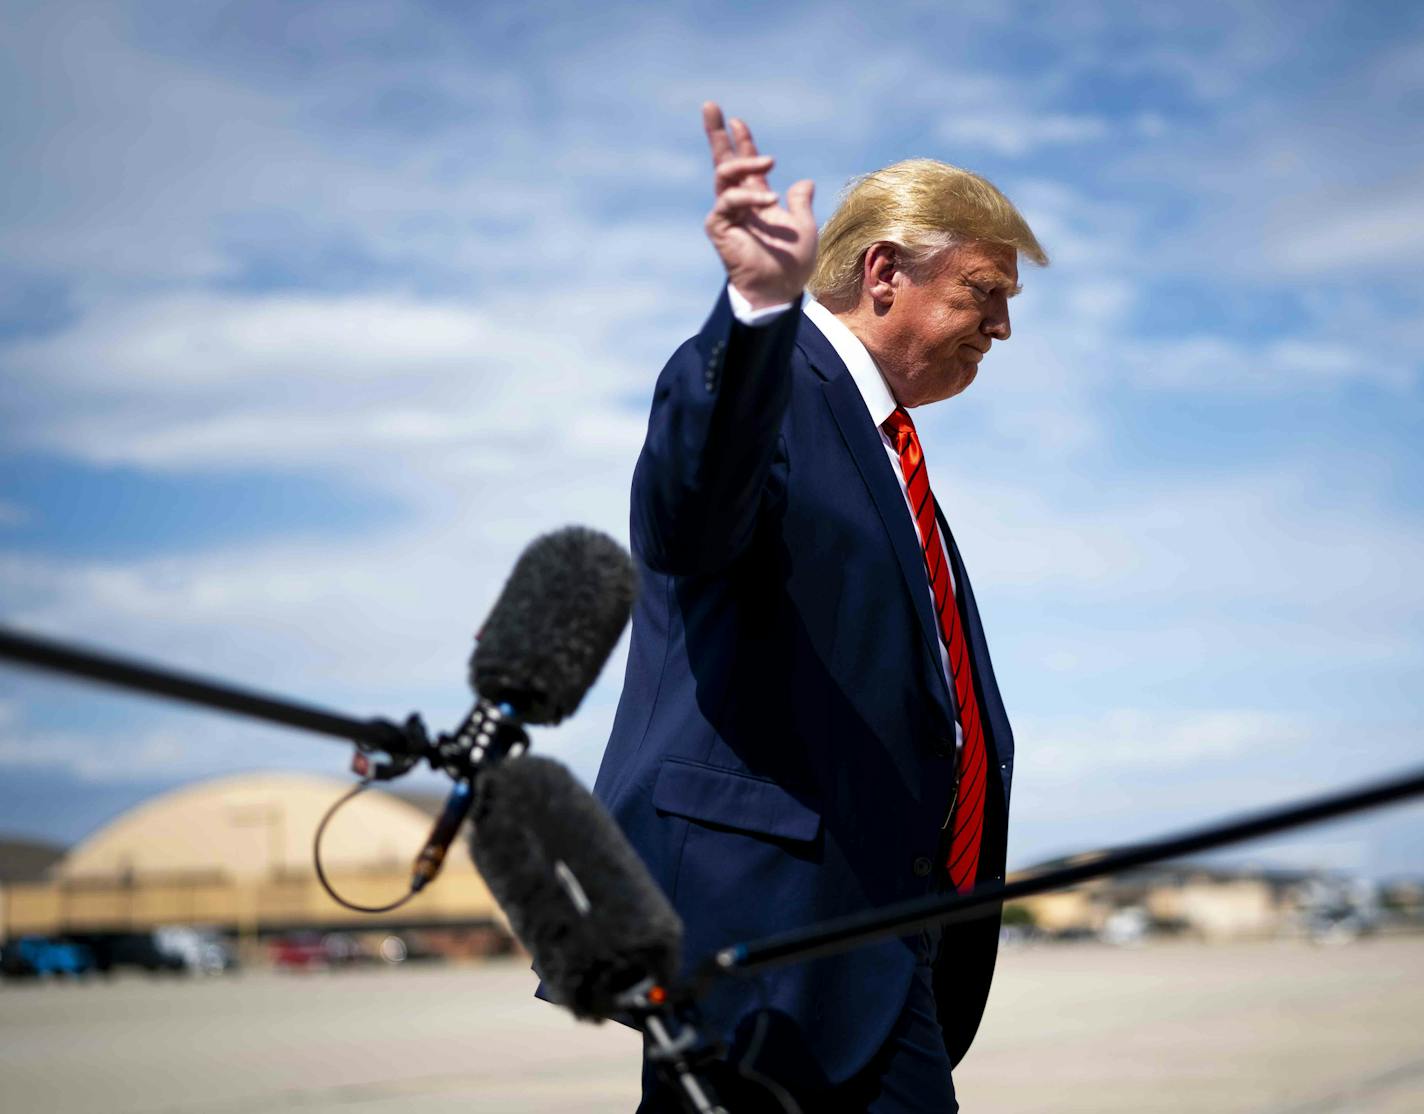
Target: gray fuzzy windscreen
(576, 893)
(554, 624)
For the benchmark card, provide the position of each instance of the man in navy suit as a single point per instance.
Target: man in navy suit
(810, 725)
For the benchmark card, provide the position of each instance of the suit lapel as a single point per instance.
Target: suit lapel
(863, 441)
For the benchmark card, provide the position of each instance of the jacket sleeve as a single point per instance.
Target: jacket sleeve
(716, 413)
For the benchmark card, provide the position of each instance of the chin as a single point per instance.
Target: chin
(959, 384)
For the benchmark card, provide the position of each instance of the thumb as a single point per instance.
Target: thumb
(798, 199)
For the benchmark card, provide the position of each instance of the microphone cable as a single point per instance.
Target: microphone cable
(350, 795)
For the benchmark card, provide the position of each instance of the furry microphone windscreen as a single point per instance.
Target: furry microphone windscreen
(576, 893)
(554, 624)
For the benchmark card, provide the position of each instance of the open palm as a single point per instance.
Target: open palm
(768, 249)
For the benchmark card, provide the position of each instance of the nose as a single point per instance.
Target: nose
(996, 321)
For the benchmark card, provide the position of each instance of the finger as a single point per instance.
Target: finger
(742, 137)
(740, 200)
(716, 129)
(799, 198)
(732, 171)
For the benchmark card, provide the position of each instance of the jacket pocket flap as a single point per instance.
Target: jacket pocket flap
(732, 800)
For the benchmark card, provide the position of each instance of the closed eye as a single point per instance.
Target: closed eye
(995, 284)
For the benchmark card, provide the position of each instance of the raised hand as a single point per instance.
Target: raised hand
(767, 249)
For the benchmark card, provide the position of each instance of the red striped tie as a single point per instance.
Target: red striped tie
(968, 815)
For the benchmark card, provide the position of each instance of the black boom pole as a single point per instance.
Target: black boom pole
(837, 935)
(42, 653)
(845, 933)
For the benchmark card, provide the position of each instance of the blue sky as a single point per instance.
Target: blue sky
(311, 316)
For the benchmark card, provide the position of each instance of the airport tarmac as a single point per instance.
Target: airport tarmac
(1279, 1028)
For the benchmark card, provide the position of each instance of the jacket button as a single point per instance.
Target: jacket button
(922, 867)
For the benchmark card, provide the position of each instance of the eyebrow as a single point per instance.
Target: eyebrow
(998, 279)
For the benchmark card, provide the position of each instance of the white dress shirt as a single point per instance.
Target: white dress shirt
(880, 403)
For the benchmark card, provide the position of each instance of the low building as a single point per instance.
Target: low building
(235, 853)
(1207, 902)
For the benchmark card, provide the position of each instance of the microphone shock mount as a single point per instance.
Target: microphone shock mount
(489, 734)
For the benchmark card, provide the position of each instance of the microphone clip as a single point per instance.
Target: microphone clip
(404, 746)
(490, 733)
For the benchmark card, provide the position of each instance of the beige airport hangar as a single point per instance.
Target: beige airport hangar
(235, 854)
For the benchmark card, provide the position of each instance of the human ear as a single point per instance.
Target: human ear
(880, 270)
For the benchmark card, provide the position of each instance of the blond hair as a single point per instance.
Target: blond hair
(923, 207)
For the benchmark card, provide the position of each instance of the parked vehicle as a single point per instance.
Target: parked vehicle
(39, 956)
(315, 950)
(202, 952)
(113, 950)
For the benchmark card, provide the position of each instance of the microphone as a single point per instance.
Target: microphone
(554, 624)
(602, 935)
(542, 646)
(576, 893)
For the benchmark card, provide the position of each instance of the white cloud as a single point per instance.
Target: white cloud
(630, 164)
(1131, 774)
(1129, 741)
(343, 383)
(1221, 365)
(381, 628)
(136, 151)
(1283, 539)
(201, 343)
(1017, 133)
(397, 609)
(1346, 233)
(105, 758)
(1213, 68)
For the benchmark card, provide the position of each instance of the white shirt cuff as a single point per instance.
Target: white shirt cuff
(742, 309)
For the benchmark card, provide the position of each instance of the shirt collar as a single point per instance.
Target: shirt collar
(858, 361)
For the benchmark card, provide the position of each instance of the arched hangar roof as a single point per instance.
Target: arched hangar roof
(252, 826)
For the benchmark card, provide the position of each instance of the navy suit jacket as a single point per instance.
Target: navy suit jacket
(783, 748)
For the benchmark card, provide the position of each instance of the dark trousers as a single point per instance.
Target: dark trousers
(909, 1075)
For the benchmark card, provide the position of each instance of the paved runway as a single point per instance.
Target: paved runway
(1264, 1028)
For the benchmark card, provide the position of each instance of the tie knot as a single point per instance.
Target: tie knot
(900, 429)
